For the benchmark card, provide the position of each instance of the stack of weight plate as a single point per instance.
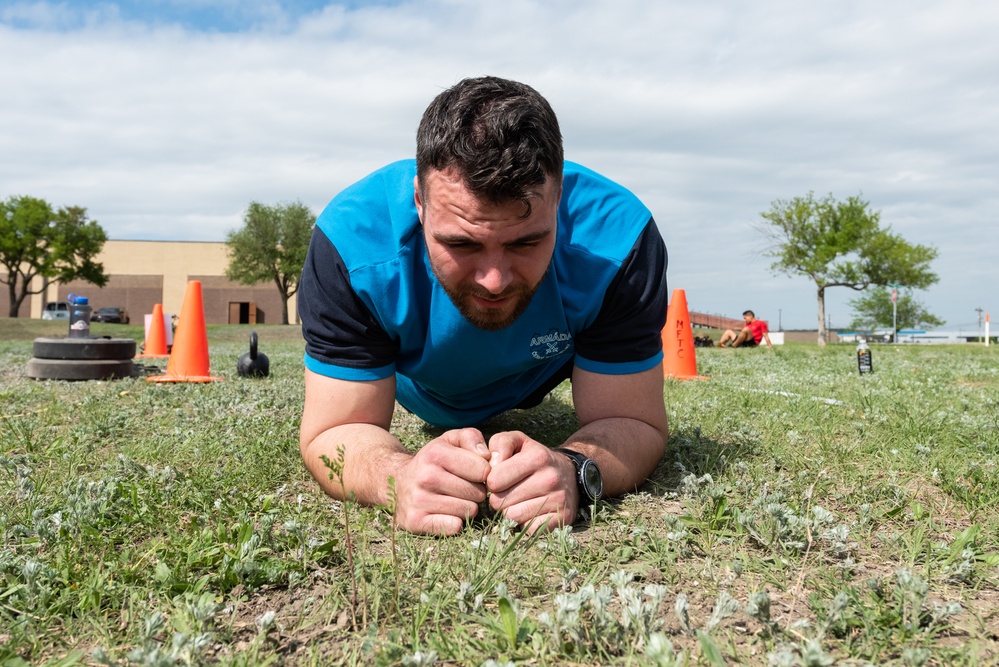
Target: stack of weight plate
(82, 359)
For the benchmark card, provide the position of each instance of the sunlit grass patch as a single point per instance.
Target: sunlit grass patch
(802, 515)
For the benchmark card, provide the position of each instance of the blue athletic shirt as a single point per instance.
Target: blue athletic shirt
(371, 307)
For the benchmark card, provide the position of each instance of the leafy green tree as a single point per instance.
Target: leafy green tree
(874, 310)
(271, 246)
(841, 244)
(55, 245)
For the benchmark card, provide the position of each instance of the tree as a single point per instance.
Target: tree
(841, 244)
(271, 245)
(874, 309)
(57, 246)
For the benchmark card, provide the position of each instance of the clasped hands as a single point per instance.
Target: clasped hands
(443, 483)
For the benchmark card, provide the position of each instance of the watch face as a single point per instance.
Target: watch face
(593, 482)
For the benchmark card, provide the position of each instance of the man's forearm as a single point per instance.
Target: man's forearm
(370, 456)
(626, 451)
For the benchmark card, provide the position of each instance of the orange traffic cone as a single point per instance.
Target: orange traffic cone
(679, 360)
(156, 345)
(189, 358)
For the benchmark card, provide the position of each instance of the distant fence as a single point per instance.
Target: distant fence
(715, 321)
(809, 336)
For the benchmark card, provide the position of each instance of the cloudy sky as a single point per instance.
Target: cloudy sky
(165, 118)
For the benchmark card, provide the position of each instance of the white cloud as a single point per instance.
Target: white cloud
(708, 111)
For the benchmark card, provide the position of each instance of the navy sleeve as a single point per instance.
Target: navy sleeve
(628, 328)
(342, 337)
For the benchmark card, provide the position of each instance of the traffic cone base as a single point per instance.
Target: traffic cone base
(679, 359)
(155, 346)
(189, 357)
(177, 378)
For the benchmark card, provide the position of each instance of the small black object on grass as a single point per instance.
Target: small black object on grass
(253, 364)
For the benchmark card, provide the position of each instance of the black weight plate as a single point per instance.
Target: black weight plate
(84, 348)
(81, 369)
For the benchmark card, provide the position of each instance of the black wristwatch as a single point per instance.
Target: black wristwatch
(589, 481)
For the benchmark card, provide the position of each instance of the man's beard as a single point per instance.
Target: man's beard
(489, 319)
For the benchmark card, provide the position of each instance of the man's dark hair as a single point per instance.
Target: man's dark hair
(502, 136)
(750, 313)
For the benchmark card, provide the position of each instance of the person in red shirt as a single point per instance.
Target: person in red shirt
(750, 335)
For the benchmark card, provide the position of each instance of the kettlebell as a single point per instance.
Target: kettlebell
(252, 364)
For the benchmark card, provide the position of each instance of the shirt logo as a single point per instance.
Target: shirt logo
(551, 344)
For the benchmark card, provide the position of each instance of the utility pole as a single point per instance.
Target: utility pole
(894, 314)
(979, 310)
(780, 326)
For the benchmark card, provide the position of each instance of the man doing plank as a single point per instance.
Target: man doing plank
(472, 281)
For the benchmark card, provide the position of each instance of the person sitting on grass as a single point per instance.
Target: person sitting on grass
(469, 282)
(750, 335)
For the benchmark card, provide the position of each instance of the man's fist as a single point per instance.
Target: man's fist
(531, 484)
(442, 484)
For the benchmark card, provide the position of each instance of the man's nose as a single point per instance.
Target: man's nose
(493, 275)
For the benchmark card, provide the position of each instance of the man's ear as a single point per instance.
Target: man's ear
(417, 199)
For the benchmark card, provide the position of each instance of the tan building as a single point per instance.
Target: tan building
(144, 273)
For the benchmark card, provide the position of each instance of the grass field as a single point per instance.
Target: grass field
(803, 515)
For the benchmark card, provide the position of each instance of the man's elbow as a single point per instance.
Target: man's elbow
(655, 447)
(307, 434)
(309, 441)
(303, 444)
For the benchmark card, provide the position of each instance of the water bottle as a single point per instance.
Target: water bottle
(864, 362)
(79, 316)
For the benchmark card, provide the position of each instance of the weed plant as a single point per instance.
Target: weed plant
(803, 515)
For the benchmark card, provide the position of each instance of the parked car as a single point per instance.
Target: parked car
(110, 314)
(57, 310)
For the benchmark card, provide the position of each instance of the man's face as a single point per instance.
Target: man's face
(488, 258)
(748, 319)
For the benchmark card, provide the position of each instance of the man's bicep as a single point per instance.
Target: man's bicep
(331, 402)
(637, 396)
